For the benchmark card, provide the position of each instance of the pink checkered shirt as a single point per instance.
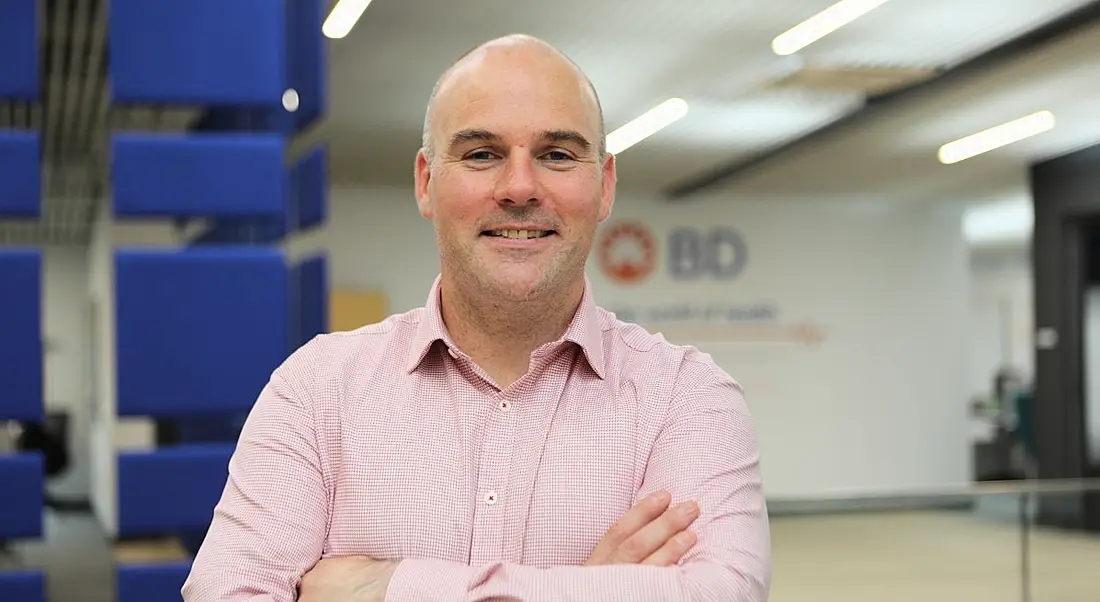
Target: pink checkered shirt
(389, 442)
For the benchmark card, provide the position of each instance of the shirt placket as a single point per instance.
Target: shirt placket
(492, 482)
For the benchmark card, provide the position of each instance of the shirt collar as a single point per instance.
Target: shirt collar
(585, 330)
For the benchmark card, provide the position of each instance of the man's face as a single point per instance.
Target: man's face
(517, 187)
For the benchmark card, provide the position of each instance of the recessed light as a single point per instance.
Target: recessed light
(647, 124)
(822, 24)
(996, 137)
(343, 17)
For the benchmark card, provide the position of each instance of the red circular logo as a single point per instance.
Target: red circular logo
(627, 252)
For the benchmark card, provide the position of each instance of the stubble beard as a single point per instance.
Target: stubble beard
(484, 280)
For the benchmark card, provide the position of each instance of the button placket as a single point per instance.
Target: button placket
(493, 475)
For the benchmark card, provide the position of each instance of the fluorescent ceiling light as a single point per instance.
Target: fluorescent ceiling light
(644, 126)
(996, 137)
(343, 17)
(822, 24)
(1010, 221)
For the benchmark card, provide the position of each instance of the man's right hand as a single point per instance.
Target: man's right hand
(649, 533)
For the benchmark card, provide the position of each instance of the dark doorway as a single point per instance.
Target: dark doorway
(1066, 265)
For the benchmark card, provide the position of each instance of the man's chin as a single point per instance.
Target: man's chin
(518, 284)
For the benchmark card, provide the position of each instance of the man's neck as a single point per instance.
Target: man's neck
(500, 335)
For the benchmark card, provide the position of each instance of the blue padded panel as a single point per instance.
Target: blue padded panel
(20, 172)
(151, 582)
(210, 429)
(310, 178)
(310, 300)
(21, 367)
(200, 330)
(201, 52)
(199, 175)
(254, 231)
(171, 489)
(19, 49)
(23, 497)
(306, 56)
(22, 586)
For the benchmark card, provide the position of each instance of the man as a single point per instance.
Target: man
(509, 440)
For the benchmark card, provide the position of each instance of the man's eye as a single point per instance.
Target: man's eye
(480, 156)
(558, 156)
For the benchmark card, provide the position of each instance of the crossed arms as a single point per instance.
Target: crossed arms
(270, 526)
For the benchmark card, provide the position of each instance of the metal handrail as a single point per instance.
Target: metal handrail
(1026, 489)
(969, 490)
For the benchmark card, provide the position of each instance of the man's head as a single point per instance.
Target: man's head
(514, 141)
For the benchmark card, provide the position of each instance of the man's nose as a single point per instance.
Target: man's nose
(518, 183)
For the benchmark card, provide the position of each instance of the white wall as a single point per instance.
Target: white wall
(1092, 373)
(108, 434)
(1001, 314)
(65, 325)
(879, 403)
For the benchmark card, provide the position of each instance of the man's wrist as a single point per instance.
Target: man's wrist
(376, 585)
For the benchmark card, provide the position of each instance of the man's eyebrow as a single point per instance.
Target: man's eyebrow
(480, 135)
(473, 135)
(567, 136)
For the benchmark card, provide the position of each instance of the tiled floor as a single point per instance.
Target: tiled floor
(926, 556)
(866, 557)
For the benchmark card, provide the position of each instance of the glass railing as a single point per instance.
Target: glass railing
(990, 542)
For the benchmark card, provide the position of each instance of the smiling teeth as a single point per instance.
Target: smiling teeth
(520, 234)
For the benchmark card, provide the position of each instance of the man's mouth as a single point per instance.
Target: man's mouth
(518, 234)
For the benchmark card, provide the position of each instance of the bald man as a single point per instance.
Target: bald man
(509, 440)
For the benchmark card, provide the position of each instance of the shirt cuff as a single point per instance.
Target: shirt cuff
(429, 580)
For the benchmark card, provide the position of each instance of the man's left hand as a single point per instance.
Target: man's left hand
(347, 579)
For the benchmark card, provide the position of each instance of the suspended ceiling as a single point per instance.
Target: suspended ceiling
(759, 124)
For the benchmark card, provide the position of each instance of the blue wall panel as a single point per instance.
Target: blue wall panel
(21, 367)
(22, 586)
(306, 61)
(203, 52)
(22, 479)
(199, 331)
(170, 489)
(207, 175)
(20, 170)
(310, 183)
(151, 582)
(310, 300)
(19, 77)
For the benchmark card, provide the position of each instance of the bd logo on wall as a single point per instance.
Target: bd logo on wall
(628, 252)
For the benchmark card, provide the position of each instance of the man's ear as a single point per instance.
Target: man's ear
(422, 177)
(607, 194)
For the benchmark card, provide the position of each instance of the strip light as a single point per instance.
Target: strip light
(343, 17)
(647, 124)
(996, 137)
(822, 24)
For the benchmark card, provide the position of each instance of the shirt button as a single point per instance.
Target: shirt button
(490, 498)
(504, 406)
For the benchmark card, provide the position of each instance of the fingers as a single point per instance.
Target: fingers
(649, 533)
(673, 550)
(655, 535)
(644, 512)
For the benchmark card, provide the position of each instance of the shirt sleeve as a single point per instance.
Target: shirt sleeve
(269, 526)
(707, 452)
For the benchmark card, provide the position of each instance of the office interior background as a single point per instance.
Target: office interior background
(879, 216)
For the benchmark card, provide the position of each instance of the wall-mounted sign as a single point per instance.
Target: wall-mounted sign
(717, 252)
(627, 253)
